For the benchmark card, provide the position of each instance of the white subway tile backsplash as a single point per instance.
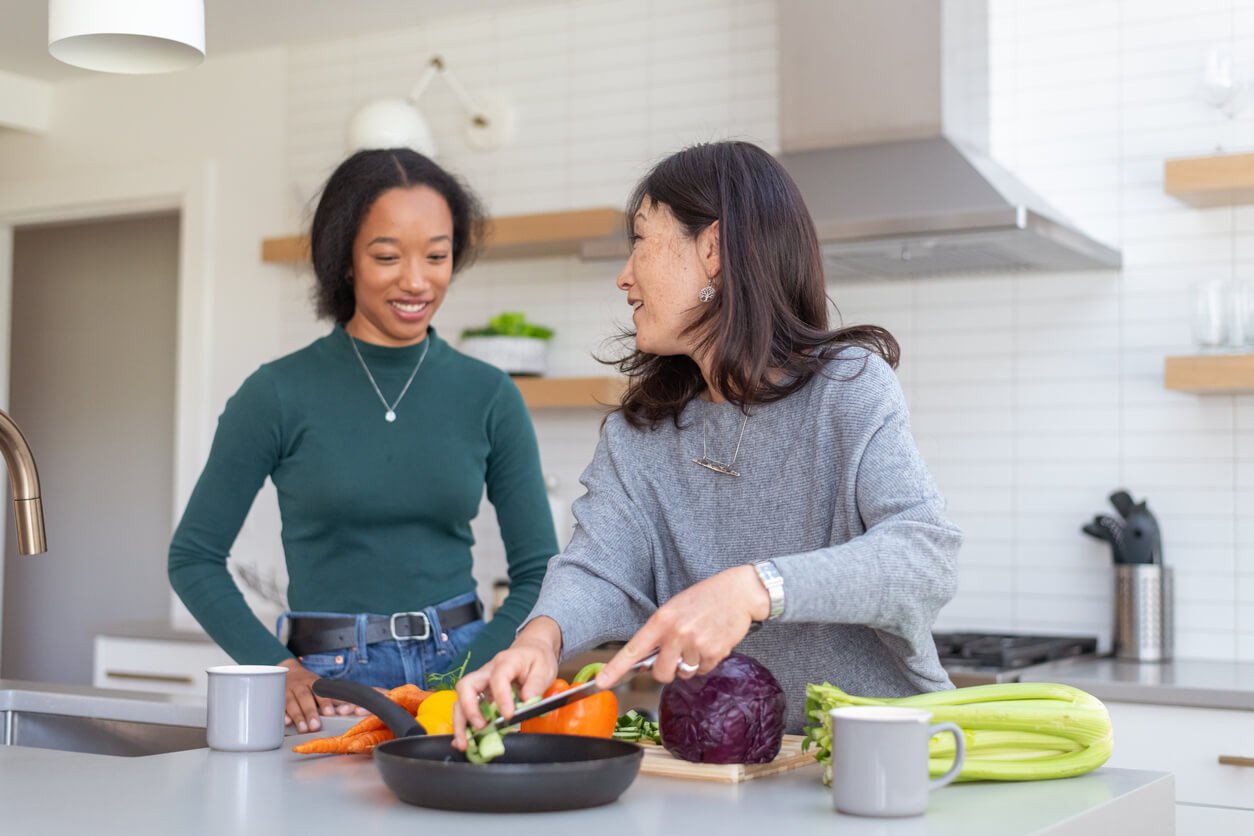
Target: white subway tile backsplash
(1081, 446)
(1198, 558)
(1058, 393)
(1059, 364)
(1183, 532)
(1052, 473)
(1191, 445)
(1147, 474)
(1050, 580)
(958, 448)
(1205, 644)
(985, 525)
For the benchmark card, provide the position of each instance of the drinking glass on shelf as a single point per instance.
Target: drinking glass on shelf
(1241, 336)
(1212, 314)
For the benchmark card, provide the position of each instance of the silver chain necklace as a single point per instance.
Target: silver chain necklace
(718, 467)
(390, 415)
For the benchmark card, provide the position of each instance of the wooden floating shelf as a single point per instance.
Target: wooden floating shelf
(570, 392)
(587, 233)
(1218, 180)
(1210, 374)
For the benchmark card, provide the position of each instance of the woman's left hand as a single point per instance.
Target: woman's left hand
(698, 627)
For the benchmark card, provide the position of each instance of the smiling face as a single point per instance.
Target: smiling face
(662, 277)
(402, 266)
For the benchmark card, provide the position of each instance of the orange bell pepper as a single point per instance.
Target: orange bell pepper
(593, 716)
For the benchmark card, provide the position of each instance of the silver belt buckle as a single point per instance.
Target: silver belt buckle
(426, 627)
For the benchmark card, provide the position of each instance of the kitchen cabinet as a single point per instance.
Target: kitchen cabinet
(156, 665)
(1213, 180)
(1210, 374)
(1213, 821)
(1189, 742)
(587, 233)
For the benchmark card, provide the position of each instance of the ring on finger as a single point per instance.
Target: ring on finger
(686, 667)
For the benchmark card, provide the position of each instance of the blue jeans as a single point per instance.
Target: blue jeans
(393, 662)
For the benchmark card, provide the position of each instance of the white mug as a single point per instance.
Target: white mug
(246, 707)
(879, 759)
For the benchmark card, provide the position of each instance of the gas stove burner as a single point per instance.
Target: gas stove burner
(1008, 652)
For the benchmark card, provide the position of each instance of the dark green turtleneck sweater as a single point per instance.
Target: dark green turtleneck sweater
(376, 515)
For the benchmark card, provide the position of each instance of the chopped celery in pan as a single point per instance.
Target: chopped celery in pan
(485, 744)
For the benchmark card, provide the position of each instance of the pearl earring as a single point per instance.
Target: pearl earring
(706, 293)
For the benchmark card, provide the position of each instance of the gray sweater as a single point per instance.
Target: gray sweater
(832, 488)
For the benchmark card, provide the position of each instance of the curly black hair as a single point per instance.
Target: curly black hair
(349, 193)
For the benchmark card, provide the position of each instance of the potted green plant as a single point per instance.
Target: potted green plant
(510, 343)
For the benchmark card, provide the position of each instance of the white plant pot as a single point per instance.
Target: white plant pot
(515, 355)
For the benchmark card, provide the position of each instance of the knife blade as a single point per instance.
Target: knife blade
(585, 689)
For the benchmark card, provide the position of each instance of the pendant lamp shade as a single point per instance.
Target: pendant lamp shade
(127, 36)
(390, 123)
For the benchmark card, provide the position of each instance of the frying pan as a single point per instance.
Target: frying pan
(538, 772)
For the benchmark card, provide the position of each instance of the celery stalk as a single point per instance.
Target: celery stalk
(1013, 731)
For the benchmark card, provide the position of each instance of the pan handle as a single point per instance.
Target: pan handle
(400, 721)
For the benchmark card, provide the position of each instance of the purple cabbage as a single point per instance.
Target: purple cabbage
(733, 714)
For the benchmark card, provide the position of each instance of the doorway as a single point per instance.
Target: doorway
(94, 342)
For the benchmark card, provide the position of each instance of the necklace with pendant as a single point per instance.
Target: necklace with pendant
(390, 415)
(718, 467)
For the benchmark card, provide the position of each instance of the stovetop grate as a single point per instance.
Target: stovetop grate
(1006, 652)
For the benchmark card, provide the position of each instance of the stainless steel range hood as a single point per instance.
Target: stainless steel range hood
(884, 127)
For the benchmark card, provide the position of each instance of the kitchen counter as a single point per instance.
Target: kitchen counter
(1197, 683)
(201, 791)
(153, 631)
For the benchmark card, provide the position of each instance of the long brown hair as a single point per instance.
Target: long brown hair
(770, 311)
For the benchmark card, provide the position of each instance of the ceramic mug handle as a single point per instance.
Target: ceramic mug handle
(960, 754)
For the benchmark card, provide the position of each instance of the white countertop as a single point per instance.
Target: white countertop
(1186, 682)
(206, 792)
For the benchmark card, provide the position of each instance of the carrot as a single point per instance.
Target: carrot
(361, 738)
(369, 724)
(362, 744)
(323, 746)
(409, 697)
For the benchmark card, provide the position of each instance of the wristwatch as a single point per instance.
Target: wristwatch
(774, 583)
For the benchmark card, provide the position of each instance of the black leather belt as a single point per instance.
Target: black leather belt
(318, 635)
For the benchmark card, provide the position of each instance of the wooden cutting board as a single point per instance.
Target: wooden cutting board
(658, 761)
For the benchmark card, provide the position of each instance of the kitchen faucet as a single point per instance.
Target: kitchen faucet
(28, 508)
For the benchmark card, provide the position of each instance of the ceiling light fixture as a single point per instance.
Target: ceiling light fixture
(397, 123)
(127, 36)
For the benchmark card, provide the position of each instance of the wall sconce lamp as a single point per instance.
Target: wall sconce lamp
(397, 123)
(127, 36)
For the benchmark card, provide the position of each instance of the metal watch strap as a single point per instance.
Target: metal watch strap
(773, 581)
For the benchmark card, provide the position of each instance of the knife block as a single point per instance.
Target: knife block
(1143, 612)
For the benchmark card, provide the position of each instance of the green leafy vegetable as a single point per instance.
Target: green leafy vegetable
(510, 324)
(448, 680)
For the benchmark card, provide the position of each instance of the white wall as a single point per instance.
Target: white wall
(222, 124)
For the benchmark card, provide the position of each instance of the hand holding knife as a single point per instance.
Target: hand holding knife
(564, 698)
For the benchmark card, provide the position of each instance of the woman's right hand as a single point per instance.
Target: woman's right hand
(302, 706)
(530, 663)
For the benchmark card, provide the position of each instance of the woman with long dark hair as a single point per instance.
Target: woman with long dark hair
(380, 439)
(760, 469)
